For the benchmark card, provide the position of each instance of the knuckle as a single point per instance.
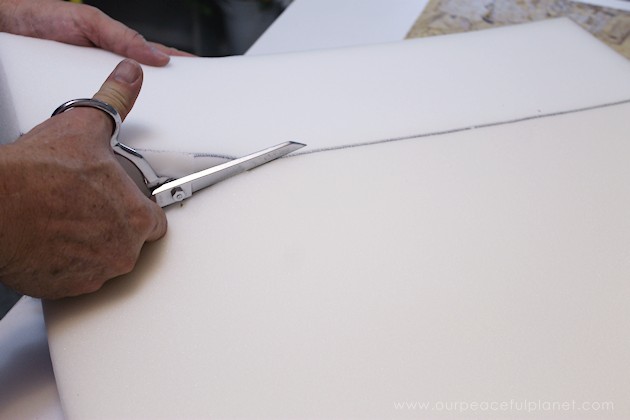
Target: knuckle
(90, 13)
(87, 19)
(124, 264)
(93, 285)
(146, 218)
(142, 219)
(132, 40)
(135, 36)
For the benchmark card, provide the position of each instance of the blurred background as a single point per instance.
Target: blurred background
(207, 28)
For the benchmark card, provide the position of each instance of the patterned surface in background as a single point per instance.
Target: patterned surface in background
(440, 17)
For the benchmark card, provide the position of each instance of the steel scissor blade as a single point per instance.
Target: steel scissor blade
(182, 188)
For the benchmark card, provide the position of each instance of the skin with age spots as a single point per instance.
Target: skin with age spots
(71, 218)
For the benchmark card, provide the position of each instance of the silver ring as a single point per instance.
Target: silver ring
(94, 103)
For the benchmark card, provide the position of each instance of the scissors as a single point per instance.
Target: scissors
(165, 190)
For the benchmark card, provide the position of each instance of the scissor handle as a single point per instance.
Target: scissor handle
(151, 179)
(94, 103)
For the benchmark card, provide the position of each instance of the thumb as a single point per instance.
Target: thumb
(122, 87)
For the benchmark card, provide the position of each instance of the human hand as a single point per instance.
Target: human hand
(80, 24)
(70, 216)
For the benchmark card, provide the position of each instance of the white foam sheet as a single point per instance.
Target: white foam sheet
(236, 105)
(485, 264)
(8, 120)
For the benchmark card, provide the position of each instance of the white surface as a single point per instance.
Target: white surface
(8, 120)
(615, 4)
(486, 264)
(320, 24)
(27, 385)
(328, 98)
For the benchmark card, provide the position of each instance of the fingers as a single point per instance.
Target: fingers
(138, 48)
(160, 225)
(114, 36)
(171, 51)
(80, 24)
(122, 87)
(120, 90)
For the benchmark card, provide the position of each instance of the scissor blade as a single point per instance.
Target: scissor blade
(182, 188)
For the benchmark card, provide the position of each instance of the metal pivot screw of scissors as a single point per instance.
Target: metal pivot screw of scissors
(178, 194)
(166, 190)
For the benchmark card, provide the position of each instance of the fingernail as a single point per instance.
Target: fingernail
(161, 55)
(127, 71)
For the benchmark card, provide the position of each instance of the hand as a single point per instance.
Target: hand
(70, 216)
(80, 24)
